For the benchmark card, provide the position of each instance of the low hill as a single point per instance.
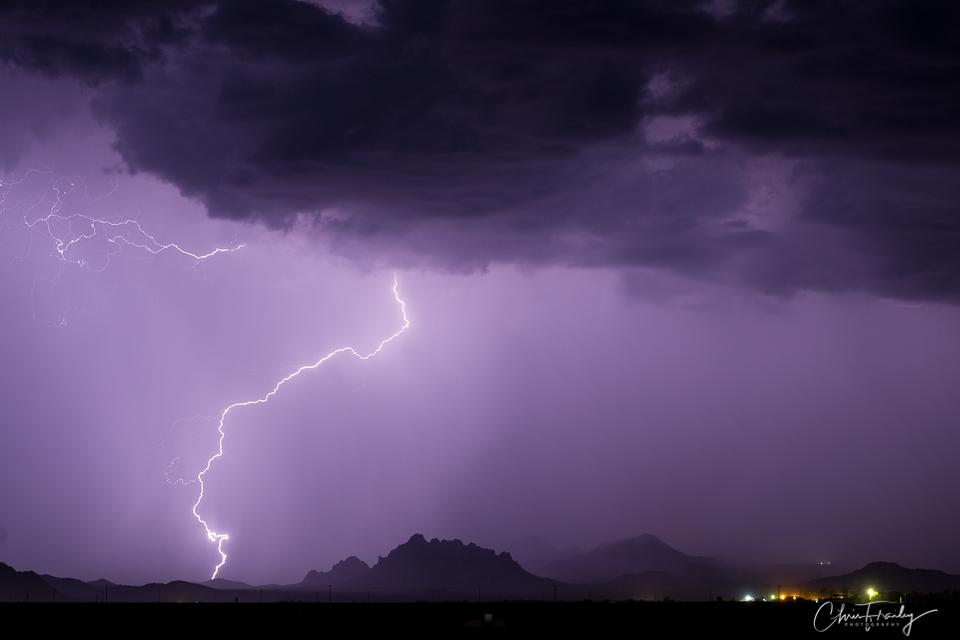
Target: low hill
(633, 556)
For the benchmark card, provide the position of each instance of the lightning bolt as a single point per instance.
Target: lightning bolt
(220, 538)
(68, 231)
(152, 245)
(63, 242)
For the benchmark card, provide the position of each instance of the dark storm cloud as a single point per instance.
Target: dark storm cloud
(620, 133)
(873, 79)
(95, 40)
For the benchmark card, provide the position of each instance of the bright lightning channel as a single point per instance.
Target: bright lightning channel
(220, 538)
(68, 231)
(117, 234)
(129, 232)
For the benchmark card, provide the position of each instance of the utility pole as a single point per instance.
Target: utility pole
(329, 594)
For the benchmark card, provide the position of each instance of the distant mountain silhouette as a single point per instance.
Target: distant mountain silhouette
(345, 571)
(23, 586)
(534, 553)
(102, 582)
(634, 556)
(888, 576)
(224, 584)
(75, 589)
(452, 567)
(644, 567)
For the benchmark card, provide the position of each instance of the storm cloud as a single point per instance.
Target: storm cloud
(785, 146)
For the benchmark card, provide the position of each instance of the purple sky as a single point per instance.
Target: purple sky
(647, 294)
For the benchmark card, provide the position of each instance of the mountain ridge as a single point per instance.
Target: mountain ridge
(451, 569)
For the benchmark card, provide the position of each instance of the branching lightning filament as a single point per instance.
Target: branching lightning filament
(67, 232)
(218, 537)
(59, 227)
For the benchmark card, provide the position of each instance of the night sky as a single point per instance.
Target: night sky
(681, 268)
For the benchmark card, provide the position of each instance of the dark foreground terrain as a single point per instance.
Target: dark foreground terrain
(566, 619)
